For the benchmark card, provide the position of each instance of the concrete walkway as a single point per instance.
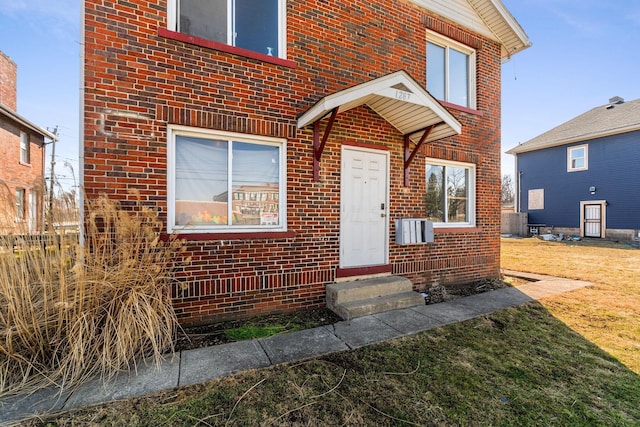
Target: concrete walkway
(199, 365)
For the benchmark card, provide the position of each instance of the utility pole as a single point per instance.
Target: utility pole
(51, 179)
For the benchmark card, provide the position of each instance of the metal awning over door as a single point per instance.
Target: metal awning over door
(397, 98)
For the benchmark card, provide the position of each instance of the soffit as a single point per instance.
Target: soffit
(489, 18)
(397, 98)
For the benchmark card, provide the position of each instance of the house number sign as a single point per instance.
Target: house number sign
(403, 95)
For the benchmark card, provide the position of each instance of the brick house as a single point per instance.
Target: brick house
(22, 153)
(283, 139)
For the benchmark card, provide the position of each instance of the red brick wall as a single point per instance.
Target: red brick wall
(8, 82)
(138, 81)
(13, 173)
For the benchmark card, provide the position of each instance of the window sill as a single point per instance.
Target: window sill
(461, 108)
(252, 235)
(457, 230)
(210, 44)
(25, 164)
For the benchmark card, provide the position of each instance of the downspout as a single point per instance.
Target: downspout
(81, 129)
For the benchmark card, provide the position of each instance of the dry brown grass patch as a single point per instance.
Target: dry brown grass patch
(608, 313)
(69, 312)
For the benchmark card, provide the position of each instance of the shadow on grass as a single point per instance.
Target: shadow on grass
(519, 366)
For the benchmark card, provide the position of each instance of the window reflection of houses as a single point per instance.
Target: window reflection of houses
(254, 204)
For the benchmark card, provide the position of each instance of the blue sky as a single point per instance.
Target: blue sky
(584, 52)
(43, 38)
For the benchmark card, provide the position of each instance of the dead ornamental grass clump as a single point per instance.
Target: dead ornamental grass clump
(70, 312)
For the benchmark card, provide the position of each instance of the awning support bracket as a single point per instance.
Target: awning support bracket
(318, 143)
(408, 154)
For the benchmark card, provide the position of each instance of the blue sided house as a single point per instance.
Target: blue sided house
(582, 177)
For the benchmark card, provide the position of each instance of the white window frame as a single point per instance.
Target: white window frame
(471, 193)
(21, 209)
(570, 150)
(173, 8)
(24, 148)
(446, 43)
(175, 130)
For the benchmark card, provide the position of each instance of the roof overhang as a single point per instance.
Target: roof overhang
(397, 98)
(503, 25)
(525, 148)
(17, 118)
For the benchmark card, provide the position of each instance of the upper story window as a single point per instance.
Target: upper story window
(256, 25)
(451, 74)
(451, 193)
(577, 158)
(24, 148)
(225, 182)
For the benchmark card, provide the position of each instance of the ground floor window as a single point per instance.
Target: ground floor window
(450, 196)
(220, 181)
(20, 204)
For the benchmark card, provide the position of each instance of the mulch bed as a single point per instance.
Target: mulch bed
(214, 333)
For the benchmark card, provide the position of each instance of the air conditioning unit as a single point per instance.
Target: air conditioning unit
(412, 231)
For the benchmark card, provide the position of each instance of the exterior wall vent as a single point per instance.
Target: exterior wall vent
(412, 231)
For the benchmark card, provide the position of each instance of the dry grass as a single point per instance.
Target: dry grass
(69, 312)
(607, 314)
(516, 367)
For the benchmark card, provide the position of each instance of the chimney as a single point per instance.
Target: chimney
(8, 78)
(616, 100)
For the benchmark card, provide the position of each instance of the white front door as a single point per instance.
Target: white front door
(363, 208)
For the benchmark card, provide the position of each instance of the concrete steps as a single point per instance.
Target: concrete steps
(369, 296)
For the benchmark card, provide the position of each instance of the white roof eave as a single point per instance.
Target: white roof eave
(523, 148)
(383, 95)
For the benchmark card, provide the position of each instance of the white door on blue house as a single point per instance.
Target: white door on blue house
(364, 207)
(593, 216)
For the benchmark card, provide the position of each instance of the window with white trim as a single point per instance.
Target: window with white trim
(256, 25)
(20, 204)
(221, 181)
(451, 71)
(578, 158)
(24, 148)
(451, 193)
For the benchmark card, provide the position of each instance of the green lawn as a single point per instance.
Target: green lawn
(517, 367)
(547, 363)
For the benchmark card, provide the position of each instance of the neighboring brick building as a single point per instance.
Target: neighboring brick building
(358, 113)
(22, 153)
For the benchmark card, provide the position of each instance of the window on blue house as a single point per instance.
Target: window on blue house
(256, 25)
(577, 158)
